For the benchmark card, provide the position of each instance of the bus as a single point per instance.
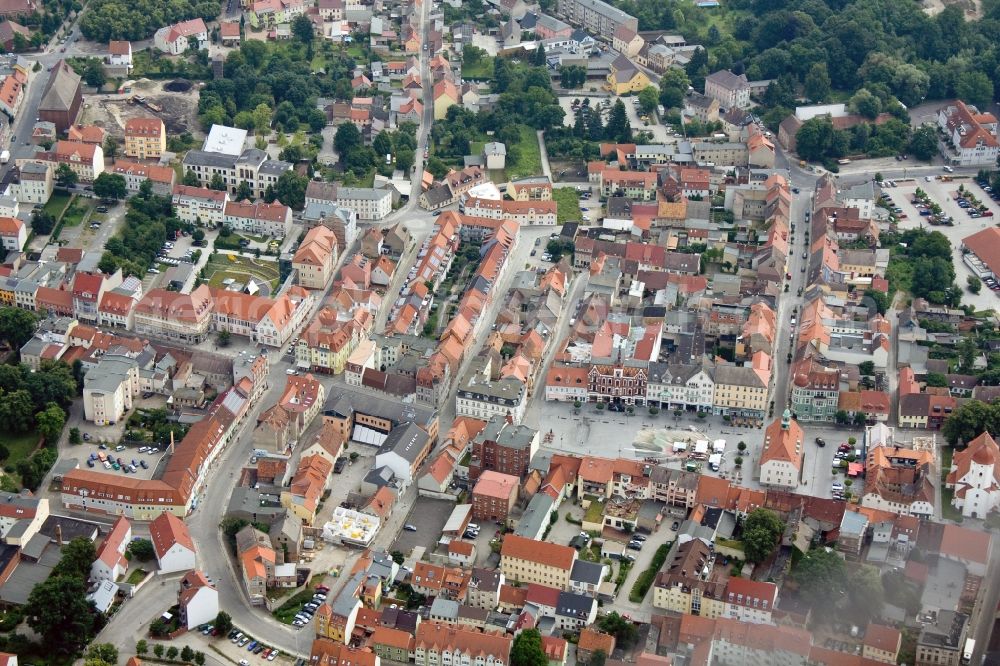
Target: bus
(970, 647)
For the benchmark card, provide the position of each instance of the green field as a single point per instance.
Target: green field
(19, 447)
(56, 204)
(220, 268)
(568, 204)
(77, 211)
(527, 156)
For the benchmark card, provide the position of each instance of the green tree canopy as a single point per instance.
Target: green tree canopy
(110, 186)
(59, 611)
(761, 531)
(527, 649)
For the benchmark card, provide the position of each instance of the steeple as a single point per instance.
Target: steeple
(786, 419)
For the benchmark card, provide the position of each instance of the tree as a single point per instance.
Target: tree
(50, 422)
(975, 284)
(649, 97)
(866, 104)
(106, 652)
(527, 649)
(598, 658)
(302, 28)
(346, 138)
(974, 87)
(291, 189)
(110, 146)
(158, 650)
(77, 556)
(924, 143)
(59, 612)
(224, 338)
(244, 192)
(217, 183)
(816, 140)
(198, 235)
(142, 647)
(187, 654)
(821, 577)
(867, 368)
(110, 186)
(17, 326)
(93, 73)
(865, 591)
(199, 658)
(42, 222)
(172, 652)
(817, 83)
(878, 300)
(760, 534)
(142, 550)
(404, 159)
(65, 176)
(618, 128)
(936, 379)
(191, 178)
(223, 622)
(624, 631)
(74, 436)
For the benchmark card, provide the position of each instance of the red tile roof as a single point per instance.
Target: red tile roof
(167, 530)
(542, 552)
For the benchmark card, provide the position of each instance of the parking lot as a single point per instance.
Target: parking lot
(942, 193)
(428, 515)
(659, 132)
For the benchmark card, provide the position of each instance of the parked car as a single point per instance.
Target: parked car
(409, 528)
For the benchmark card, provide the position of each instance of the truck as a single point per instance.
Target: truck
(4, 157)
(968, 650)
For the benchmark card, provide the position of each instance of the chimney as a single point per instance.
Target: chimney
(171, 442)
(59, 537)
(510, 418)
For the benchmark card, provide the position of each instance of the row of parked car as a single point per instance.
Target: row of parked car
(305, 615)
(237, 637)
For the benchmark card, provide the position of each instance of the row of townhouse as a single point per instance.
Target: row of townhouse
(733, 390)
(340, 326)
(525, 213)
(191, 317)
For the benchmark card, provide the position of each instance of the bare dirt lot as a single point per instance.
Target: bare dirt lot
(180, 109)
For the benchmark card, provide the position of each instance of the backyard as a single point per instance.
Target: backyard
(527, 156)
(19, 447)
(567, 204)
(77, 211)
(222, 267)
(57, 203)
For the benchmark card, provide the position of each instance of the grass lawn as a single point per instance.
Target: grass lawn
(224, 266)
(482, 70)
(286, 611)
(77, 211)
(56, 204)
(567, 204)
(949, 512)
(136, 576)
(19, 447)
(528, 156)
